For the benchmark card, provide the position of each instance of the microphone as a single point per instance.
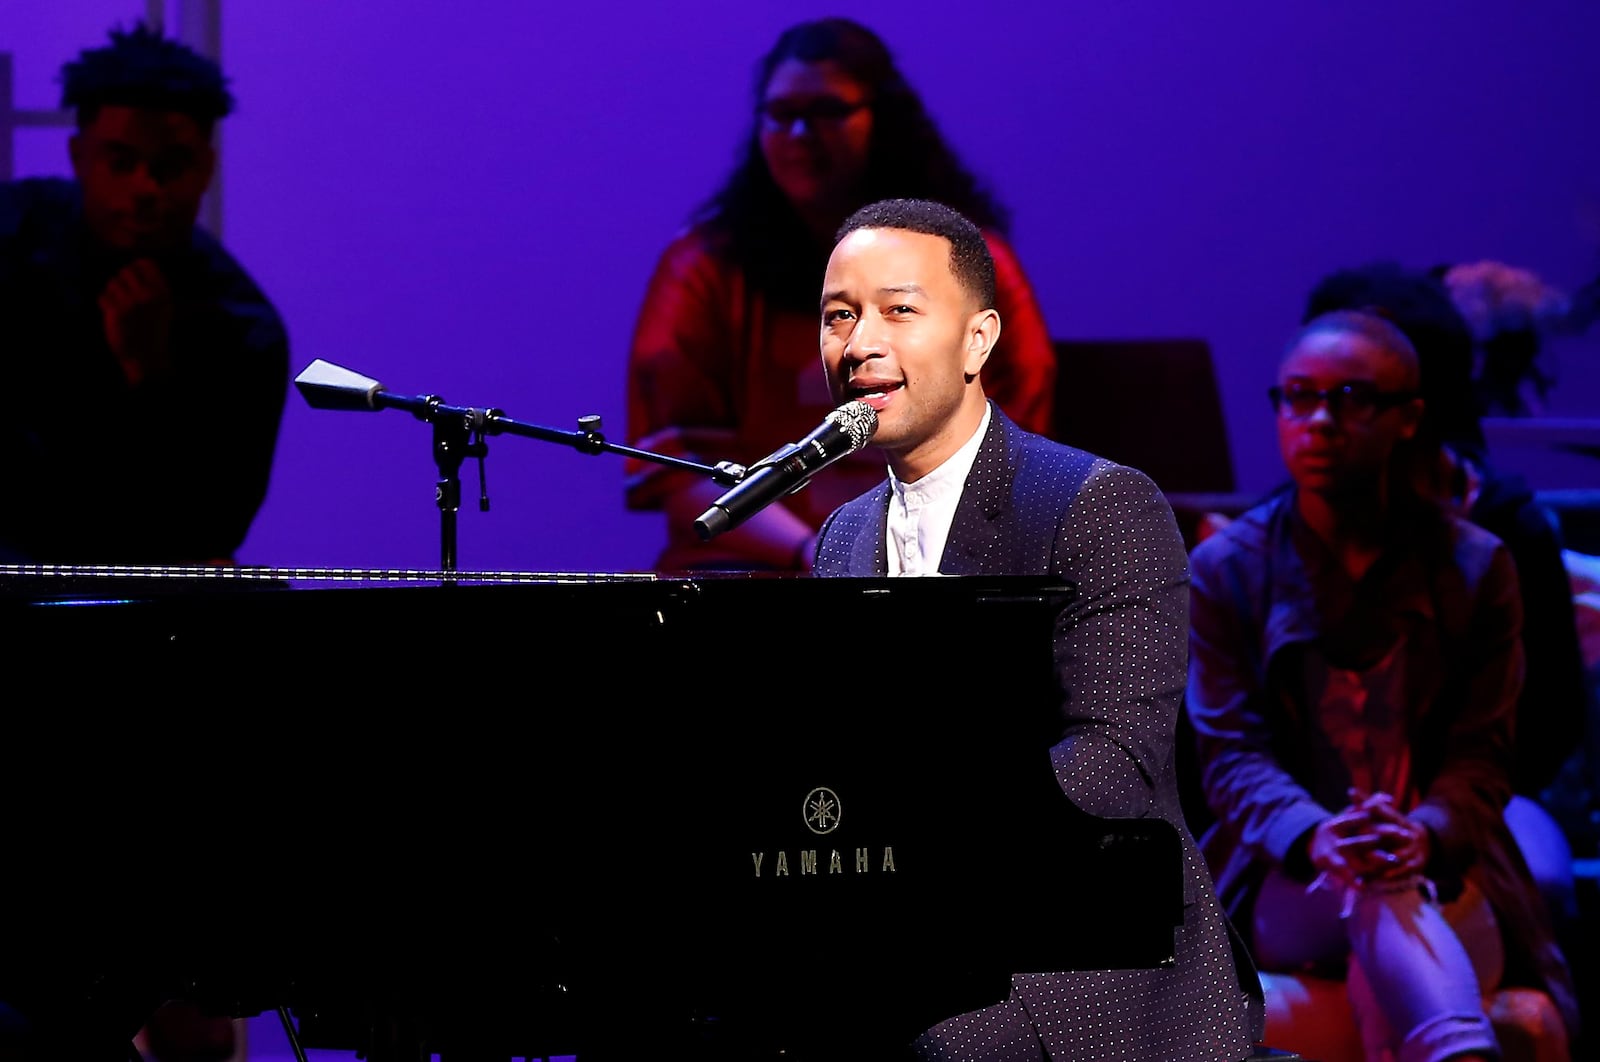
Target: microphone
(325, 385)
(845, 431)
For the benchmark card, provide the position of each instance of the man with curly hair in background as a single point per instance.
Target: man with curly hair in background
(148, 370)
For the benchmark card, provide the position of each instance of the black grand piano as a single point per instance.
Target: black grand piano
(495, 815)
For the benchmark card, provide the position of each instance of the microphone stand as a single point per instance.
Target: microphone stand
(460, 432)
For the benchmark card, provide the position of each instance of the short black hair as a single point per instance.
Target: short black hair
(1375, 329)
(970, 259)
(141, 68)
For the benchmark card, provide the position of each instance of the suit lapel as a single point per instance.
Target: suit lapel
(868, 554)
(983, 512)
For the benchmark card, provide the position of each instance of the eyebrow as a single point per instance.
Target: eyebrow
(899, 289)
(1306, 379)
(810, 96)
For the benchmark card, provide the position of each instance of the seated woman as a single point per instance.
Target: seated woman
(1355, 662)
(1557, 693)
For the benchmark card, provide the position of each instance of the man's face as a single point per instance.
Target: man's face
(143, 174)
(1343, 445)
(900, 333)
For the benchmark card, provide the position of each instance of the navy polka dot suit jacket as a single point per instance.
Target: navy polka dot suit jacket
(1032, 506)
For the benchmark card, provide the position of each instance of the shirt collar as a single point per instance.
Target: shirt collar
(948, 478)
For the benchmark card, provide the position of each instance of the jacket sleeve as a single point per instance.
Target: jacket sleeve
(1246, 786)
(242, 445)
(1119, 643)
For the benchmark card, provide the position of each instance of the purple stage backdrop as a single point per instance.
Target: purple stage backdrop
(466, 200)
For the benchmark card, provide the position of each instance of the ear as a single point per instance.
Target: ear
(983, 330)
(208, 163)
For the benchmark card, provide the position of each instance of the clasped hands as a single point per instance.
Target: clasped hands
(1369, 842)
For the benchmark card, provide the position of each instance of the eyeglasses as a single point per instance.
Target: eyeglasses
(818, 111)
(1353, 400)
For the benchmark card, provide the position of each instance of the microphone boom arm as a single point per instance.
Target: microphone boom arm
(328, 386)
(459, 432)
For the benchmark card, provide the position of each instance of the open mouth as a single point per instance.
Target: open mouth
(873, 393)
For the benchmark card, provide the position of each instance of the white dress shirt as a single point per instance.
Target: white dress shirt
(920, 513)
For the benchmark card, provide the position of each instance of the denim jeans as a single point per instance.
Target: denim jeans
(1416, 971)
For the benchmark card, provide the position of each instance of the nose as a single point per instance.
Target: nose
(144, 180)
(1322, 416)
(866, 340)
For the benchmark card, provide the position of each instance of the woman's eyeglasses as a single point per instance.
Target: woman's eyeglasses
(817, 111)
(1355, 400)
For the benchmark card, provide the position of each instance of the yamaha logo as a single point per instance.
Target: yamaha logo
(821, 810)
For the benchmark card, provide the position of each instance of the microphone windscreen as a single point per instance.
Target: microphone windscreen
(858, 420)
(325, 385)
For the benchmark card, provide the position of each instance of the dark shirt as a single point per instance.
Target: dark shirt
(97, 471)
